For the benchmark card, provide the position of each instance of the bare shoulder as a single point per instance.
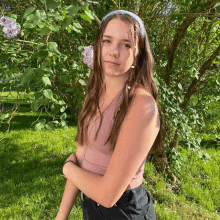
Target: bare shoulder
(142, 95)
(143, 105)
(141, 90)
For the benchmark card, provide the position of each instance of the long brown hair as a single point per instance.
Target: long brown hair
(143, 75)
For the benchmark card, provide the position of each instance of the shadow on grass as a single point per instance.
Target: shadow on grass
(28, 172)
(23, 107)
(24, 121)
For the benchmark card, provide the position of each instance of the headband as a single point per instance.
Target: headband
(124, 12)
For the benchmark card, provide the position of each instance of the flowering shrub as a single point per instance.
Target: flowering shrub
(10, 27)
(46, 60)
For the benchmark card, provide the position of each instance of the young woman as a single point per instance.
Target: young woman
(115, 139)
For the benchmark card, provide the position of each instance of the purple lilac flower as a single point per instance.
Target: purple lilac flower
(4, 21)
(6, 79)
(10, 27)
(88, 56)
(1, 80)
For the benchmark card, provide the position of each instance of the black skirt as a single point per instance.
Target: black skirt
(134, 204)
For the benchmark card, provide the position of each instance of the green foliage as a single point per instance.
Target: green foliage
(43, 61)
(51, 77)
(51, 4)
(46, 59)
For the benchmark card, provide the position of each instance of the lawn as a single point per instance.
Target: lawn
(32, 184)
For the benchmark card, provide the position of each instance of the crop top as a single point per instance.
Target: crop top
(98, 155)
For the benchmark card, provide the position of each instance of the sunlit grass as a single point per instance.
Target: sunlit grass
(196, 196)
(31, 173)
(32, 185)
(11, 96)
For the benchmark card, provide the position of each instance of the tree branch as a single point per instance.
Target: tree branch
(180, 33)
(204, 67)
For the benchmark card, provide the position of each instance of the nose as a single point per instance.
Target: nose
(114, 52)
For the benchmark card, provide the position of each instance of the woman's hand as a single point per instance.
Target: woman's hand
(73, 158)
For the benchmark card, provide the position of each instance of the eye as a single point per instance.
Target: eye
(127, 45)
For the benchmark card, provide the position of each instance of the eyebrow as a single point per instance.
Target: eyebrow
(112, 37)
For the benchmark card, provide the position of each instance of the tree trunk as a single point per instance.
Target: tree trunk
(176, 138)
(161, 164)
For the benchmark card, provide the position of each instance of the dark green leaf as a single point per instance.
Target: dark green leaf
(48, 93)
(27, 25)
(44, 30)
(43, 120)
(45, 63)
(63, 116)
(38, 126)
(53, 47)
(34, 106)
(42, 14)
(50, 126)
(32, 17)
(72, 9)
(51, 4)
(27, 75)
(54, 27)
(28, 11)
(38, 14)
(55, 15)
(85, 6)
(41, 55)
(67, 22)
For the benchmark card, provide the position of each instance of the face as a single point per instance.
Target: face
(115, 48)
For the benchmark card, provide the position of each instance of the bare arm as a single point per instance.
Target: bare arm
(69, 197)
(71, 191)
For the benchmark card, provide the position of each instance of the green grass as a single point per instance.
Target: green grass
(195, 195)
(32, 185)
(31, 180)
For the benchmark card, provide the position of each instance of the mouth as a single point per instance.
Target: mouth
(111, 63)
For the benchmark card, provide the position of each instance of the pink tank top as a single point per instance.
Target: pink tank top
(98, 155)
